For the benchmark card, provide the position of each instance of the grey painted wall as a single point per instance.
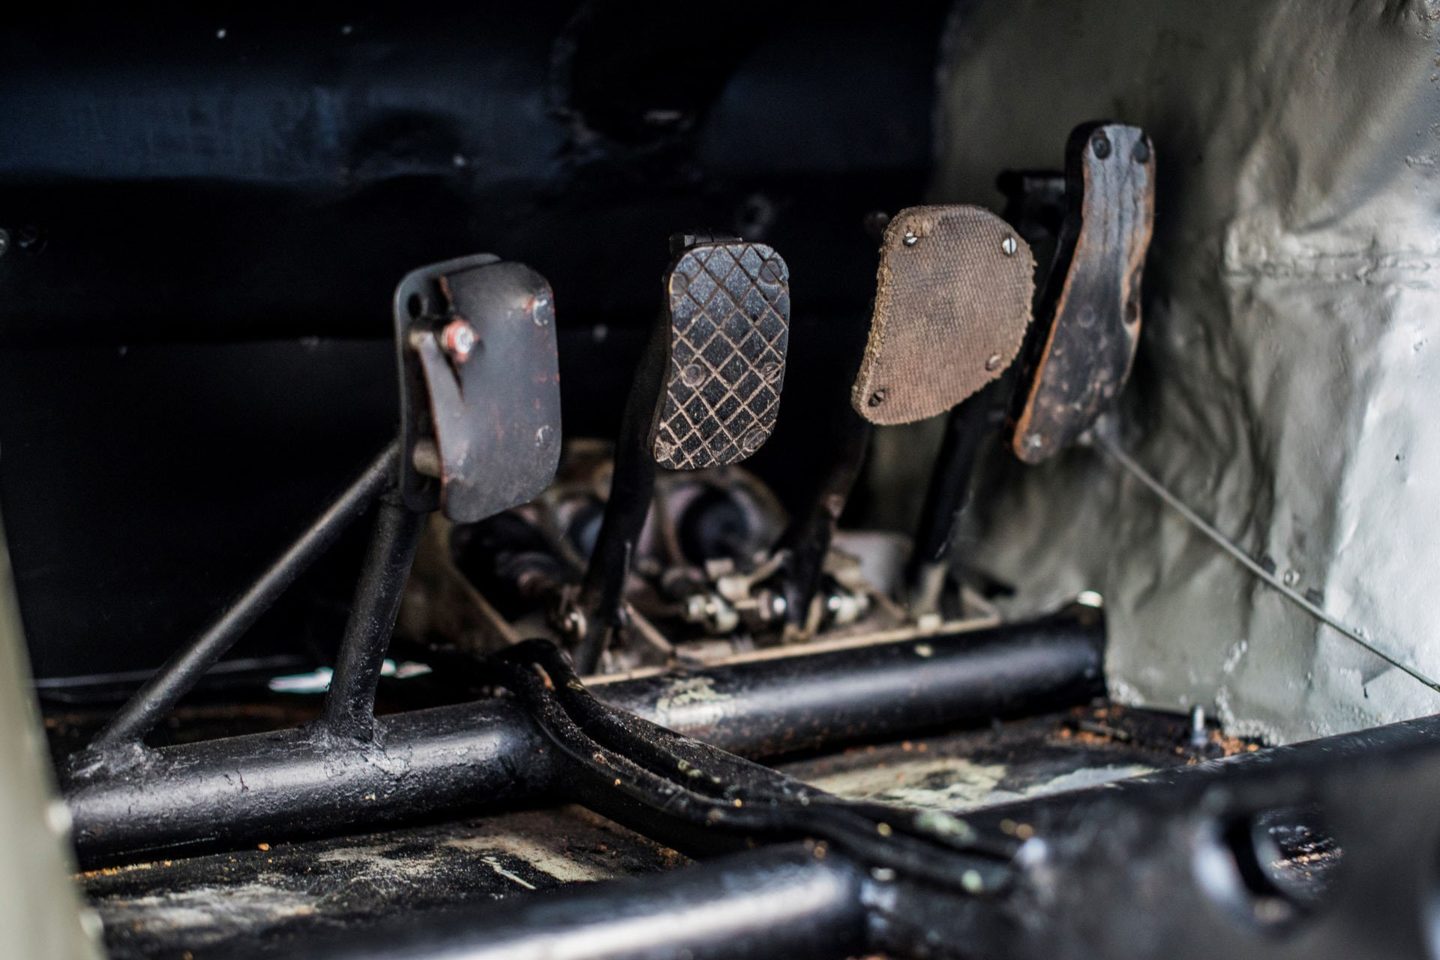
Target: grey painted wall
(1289, 366)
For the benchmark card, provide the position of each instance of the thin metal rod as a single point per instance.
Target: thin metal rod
(158, 696)
(1108, 445)
(946, 497)
(806, 542)
(632, 487)
(350, 704)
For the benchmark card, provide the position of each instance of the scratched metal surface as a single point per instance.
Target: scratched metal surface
(273, 895)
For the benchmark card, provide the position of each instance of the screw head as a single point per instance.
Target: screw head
(878, 397)
(770, 271)
(663, 449)
(1141, 151)
(693, 375)
(992, 362)
(1009, 247)
(1100, 144)
(770, 371)
(458, 339)
(753, 440)
(544, 435)
(540, 310)
(910, 238)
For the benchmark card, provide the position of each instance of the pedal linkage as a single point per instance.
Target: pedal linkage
(704, 799)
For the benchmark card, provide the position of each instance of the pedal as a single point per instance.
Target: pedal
(1092, 301)
(705, 394)
(728, 306)
(952, 304)
(480, 387)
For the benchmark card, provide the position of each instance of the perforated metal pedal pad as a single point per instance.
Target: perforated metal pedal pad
(952, 303)
(728, 306)
(1110, 170)
(480, 386)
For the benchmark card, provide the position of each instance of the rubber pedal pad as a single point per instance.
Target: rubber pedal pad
(728, 305)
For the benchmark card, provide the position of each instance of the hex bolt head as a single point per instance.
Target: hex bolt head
(458, 339)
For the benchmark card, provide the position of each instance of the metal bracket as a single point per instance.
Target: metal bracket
(479, 386)
(1092, 299)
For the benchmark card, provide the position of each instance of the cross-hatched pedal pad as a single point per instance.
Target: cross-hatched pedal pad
(952, 303)
(1094, 293)
(728, 306)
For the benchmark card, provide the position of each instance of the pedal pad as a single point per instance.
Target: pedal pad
(952, 303)
(1095, 305)
(480, 386)
(728, 306)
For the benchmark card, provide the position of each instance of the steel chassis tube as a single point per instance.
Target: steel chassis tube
(476, 756)
(1118, 890)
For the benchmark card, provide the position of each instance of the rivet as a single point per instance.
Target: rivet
(1141, 152)
(1101, 145)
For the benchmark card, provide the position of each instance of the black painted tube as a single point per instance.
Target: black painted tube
(472, 757)
(966, 429)
(178, 675)
(778, 902)
(350, 704)
(772, 706)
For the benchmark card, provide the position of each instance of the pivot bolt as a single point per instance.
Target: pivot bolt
(458, 340)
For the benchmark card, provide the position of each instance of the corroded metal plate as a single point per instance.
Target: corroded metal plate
(952, 303)
(729, 311)
(490, 424)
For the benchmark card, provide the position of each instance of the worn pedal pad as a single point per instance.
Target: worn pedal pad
(1095, 300)
(728, 306)
(952, 303)
(480, 386)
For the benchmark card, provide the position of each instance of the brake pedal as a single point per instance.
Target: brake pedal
(705, 395)
(728, 305)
